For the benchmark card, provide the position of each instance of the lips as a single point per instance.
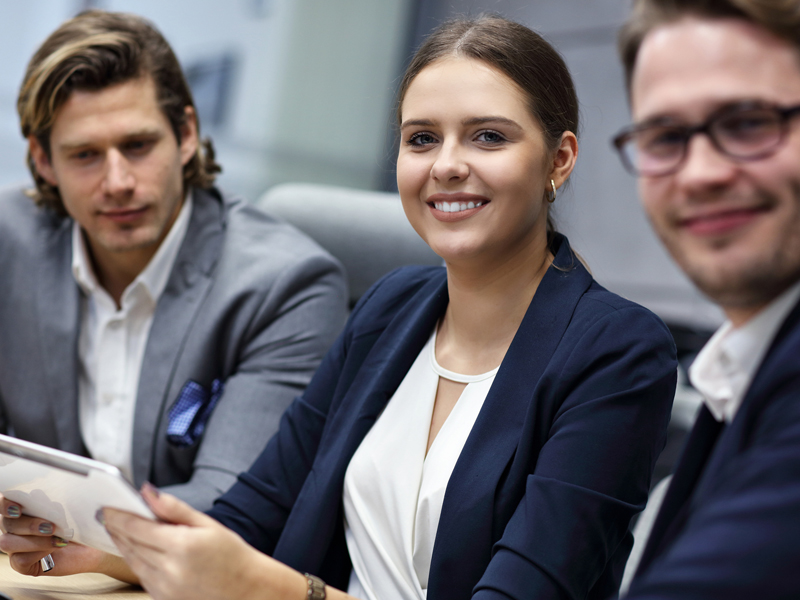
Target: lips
(123, 215)
(721, 222)
(456, 207)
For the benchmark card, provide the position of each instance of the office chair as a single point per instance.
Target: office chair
(367, 231)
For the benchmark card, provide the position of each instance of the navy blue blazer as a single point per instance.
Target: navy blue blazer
(729, 526)
(557, 463)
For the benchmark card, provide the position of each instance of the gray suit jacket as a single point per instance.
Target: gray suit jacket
(250, 301)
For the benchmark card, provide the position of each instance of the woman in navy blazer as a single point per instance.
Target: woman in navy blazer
(555, 467)
(560, 456)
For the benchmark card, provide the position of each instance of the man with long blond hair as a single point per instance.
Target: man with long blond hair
(148, 321)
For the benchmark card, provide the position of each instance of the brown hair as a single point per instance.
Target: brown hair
(92, 51)
(779, 17)
(519, 53)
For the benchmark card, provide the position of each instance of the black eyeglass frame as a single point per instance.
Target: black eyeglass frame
(784, 114)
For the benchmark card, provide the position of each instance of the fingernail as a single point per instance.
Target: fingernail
(101, 518)
(151, 489)
(13, 512)
(59, 542)
(46, 528)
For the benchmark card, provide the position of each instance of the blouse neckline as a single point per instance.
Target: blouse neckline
(452, 375)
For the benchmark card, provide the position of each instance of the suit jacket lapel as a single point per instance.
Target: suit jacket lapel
(755, 398)
(58, 313)
(710, 445)
(396, 350)
(388, 360)
(496, 433)
(386, 365)
(691, 466)
(176, 310)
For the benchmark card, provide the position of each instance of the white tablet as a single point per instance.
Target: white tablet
(66, 490)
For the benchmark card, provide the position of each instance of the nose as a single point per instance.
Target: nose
(118, 178)
(705, 167)
(450, 164)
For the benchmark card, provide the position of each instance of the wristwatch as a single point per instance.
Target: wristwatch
(316, 587)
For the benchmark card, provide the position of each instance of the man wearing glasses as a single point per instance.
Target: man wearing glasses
(714, 88)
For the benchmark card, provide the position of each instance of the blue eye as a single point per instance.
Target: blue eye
(421, 138)
(490, 137)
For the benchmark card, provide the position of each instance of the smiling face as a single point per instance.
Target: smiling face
(118, 168)
(732, 226)
(473, 168)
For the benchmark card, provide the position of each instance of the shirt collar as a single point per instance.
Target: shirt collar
(726, 365)
(153, 279)
(81, 265)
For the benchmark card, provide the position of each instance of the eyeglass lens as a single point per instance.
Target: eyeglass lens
(745, 133)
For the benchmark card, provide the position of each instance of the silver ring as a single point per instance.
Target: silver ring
(47, 563)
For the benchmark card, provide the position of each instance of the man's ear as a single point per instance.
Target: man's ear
(42, 162)
(189, 140)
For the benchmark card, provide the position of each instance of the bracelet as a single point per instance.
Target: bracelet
(316, 587)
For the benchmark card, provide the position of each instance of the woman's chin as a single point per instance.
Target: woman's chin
(459, 254)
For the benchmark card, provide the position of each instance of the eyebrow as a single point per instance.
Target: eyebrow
(466, 122)
(416, 123)
(485, 120)
(139, 133)
(659, 121)
(674, 120)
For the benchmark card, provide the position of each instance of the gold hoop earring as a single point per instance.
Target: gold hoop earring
(552, 195)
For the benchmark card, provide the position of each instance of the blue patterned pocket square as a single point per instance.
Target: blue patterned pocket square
(190, 413)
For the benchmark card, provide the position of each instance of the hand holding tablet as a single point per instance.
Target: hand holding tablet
(66, 491)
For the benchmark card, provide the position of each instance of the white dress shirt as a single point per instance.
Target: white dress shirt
(726, 365)
(393, 492)
(111, 344)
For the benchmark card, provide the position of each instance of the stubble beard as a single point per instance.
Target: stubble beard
(750, 281)
(746, 287)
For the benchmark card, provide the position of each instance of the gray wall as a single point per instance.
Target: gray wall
(22, 26)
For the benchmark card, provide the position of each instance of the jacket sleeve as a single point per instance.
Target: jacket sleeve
(282, 347)
(568, 537)
(741, 542)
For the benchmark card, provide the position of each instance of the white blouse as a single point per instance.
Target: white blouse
(393, 492)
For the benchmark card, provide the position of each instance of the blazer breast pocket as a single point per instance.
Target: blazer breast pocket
(190, 413)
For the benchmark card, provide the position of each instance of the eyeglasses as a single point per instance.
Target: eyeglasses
(743, 131)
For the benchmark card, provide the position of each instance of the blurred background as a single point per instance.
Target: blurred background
(303, 90)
